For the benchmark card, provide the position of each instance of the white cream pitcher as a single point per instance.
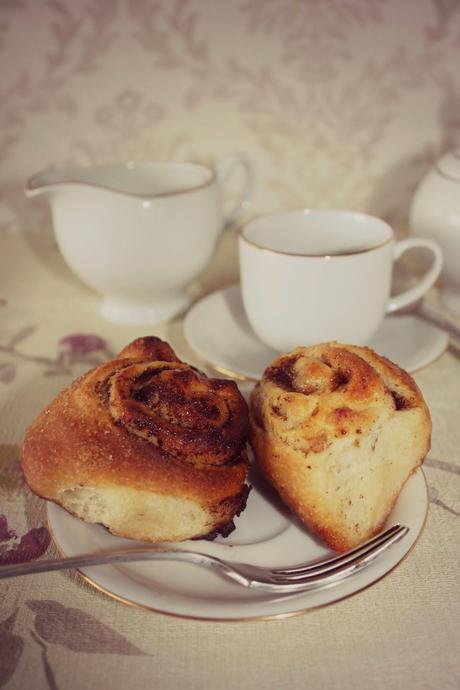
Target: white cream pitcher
(141, 233)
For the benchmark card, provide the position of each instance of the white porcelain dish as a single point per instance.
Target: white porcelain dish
(266, 534)
(217, 329)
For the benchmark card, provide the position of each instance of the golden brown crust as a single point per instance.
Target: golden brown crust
(338, 429)
(152, 425)
(149, 348)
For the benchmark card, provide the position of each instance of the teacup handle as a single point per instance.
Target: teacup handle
(407, 297)
(224, 169)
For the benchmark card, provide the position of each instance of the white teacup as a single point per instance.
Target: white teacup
(140, 233)
(310, 276)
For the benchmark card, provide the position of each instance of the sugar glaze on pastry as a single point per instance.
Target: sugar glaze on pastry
(338, 429)
(145, 445)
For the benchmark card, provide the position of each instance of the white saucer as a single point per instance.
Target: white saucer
(265, 534)
(218, 331)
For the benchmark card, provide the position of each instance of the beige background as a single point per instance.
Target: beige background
(339, 102)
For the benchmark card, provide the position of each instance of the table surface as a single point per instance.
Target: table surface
(57, 631)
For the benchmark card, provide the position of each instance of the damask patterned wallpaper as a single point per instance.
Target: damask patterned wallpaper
(339, 102)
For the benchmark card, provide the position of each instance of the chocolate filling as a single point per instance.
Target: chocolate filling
(283, 374)
(339, 379)
(400, 402)
(228, 527)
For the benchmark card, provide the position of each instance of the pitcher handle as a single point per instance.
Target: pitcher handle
(244, 200)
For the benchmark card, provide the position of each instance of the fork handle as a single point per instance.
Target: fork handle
(90, 559)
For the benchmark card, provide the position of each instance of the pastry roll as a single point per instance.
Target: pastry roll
(338, 430)
(145, 445)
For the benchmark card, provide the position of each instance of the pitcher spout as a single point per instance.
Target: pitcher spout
(45, 181)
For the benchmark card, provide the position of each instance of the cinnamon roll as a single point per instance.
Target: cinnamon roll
(145, 445)
(338, 429)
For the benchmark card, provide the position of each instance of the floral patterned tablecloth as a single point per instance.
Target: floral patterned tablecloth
(57, 632)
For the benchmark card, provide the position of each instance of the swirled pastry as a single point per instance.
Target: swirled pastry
(145, 445)
(338, 430)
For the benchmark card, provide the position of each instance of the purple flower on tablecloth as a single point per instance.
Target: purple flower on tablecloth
(7, 373)
(80, 348)
(82, 344)
(11, 648)
(11, 477)
(77, 630)
(76, 348)
(30, 546)
(5, 532)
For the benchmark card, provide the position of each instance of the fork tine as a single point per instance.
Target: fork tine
(333, 575)
(291, 584)
(330, 565)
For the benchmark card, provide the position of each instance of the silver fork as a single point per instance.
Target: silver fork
(309, 576)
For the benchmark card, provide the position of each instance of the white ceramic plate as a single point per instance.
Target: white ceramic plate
(266, 534)
(217, 329)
